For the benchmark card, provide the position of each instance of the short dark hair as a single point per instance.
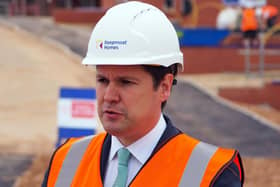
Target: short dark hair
(158, 73)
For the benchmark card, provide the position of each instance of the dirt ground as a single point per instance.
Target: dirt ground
(31, 73)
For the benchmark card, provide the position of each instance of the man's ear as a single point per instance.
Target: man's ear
(165, 86)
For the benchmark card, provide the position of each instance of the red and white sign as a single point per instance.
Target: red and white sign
(83, 109)
(77, 113)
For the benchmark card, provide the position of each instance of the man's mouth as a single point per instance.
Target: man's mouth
(112, 114)
(112, 111)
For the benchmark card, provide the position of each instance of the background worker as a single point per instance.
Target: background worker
(269, 14)
(136, 53)
(249, 26)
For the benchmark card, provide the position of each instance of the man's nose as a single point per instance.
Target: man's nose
(111, 93)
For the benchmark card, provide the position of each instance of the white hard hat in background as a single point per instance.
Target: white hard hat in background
(134, 33)
(227, 18)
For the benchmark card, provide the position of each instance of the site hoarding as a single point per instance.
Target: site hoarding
(252, 3)
(77, 113)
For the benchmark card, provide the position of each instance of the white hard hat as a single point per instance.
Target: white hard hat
(134, 33)
(227, 18)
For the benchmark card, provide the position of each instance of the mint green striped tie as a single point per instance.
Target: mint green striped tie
(123, 157)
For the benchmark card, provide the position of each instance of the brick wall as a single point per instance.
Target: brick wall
(269, 94)
(77, 15)
(244, 95)
(272, 91)
(214, 60)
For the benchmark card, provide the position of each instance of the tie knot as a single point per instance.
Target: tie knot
(123, 156)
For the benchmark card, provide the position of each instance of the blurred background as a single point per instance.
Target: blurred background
(228, 94)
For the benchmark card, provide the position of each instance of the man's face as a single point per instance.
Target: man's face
(128, 105)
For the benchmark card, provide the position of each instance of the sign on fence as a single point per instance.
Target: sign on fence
(77, 115)
(252, 3)
(231, 2)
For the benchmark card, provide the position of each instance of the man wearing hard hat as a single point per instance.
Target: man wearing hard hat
(136, 53)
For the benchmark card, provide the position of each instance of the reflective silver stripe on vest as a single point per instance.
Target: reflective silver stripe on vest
(72, 161)
(197, 164)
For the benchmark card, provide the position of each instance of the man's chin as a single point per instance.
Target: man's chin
(111, 127)
(113, 131)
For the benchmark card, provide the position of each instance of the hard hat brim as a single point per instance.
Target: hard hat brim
(156, 61)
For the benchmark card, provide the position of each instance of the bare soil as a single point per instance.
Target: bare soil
(31, 74)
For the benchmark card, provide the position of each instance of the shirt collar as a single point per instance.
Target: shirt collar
(140, 149)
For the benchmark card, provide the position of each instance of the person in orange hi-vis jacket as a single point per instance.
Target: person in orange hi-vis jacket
(270, 14)
(249, 25)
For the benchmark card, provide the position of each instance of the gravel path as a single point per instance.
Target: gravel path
(75, 38)
(12, 166)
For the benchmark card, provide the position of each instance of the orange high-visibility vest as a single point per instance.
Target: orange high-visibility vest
(182, 161)
(249, 20)
(269, 10)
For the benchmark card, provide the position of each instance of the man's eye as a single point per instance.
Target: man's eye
(102, 80)
(126, 82)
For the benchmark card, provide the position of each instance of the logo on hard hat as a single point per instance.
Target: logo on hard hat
(110, 44)
(99, 44)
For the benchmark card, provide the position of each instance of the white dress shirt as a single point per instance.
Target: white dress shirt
(140, 152)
